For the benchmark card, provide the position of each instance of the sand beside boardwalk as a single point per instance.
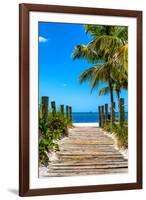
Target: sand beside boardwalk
(123, 151)
(86, 124)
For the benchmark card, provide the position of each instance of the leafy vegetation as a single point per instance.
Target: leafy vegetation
(58, 123)
(49, 133)
(121, 133)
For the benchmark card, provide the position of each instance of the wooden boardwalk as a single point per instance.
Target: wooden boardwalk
(87, 151)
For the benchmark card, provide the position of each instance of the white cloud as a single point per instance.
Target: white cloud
(42, 39)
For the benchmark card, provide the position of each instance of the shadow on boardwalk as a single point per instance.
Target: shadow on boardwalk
(87, 151)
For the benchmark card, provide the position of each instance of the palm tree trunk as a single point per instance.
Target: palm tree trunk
(111, 91)
(112, 100)
(118, 97)
(110, 85)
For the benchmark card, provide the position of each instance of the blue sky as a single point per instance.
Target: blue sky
(59, 74)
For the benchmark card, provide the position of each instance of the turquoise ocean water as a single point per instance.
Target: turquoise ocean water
(90, 117)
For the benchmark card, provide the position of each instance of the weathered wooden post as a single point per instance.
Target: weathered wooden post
(113, 112)
(99, 115)
(122, 113)
(102, 116)
(106, 113)
(67, 114)
(62, 110)
(70, 113)
(53, 106)
(45, 102)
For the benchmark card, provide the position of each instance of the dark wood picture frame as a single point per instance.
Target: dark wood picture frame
(24, 9)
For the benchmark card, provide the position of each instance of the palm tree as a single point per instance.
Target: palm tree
(116, 87)
(107, 40)
(120, 82)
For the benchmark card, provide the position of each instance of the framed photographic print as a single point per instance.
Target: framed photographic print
(80, 99)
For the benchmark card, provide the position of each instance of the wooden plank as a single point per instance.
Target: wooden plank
(85, 166)
(80, 161)
(90, 156)
(82, 173)
(88, 153)
(86, 163)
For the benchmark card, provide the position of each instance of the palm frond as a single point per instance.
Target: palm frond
(103, 91)
(101, 74)
(84, 51)
(122, 33)
(95, 75)
(120, 80)
(87, 75)
(95, 30)
(121, 58)
(106, 44)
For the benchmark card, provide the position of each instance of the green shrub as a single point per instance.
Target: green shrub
(58, 123)
(107, 127)
(45, 145)
(43, 157)
(43, 127)
(122, 135)
(49, 132)
(120, 132)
